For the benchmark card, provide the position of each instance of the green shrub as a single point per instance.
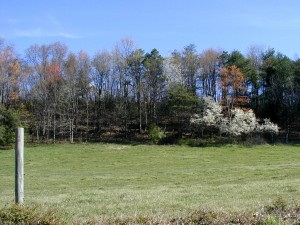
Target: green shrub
(8, 122)
(156, 134)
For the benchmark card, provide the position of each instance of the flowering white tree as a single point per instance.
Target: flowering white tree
(212, 115)
(268, 127)
(240, 122)
(243, 122)
(173, 72)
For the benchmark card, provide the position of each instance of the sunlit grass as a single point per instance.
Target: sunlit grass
(108, 180)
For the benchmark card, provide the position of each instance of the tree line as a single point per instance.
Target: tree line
(62, 95)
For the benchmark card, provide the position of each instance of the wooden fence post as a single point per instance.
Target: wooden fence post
(19, 166)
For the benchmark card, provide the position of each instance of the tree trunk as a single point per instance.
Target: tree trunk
(87, 121)
(54, 129)
(71, 131)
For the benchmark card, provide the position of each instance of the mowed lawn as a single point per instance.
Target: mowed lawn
(109, 180)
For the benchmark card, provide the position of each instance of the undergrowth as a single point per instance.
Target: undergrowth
(28, 215)
(277, 213)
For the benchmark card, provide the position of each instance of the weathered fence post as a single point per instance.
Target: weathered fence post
(19, 166)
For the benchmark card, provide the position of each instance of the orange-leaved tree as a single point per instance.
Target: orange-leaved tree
(233, 87)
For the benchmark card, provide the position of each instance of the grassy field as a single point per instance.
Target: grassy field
(87, 181)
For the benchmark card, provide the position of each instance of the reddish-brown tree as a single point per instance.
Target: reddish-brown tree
(233, 87)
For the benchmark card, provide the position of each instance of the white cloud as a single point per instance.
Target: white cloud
(46, 26)
(41, 33)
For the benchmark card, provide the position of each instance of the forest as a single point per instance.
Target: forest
(119, 94)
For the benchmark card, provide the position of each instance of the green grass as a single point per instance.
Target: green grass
(86, 181)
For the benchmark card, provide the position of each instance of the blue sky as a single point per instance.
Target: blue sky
(166, 25)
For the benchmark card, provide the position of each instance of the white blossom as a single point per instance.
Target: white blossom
(224, 126)
(196, 119)
(241, 122)
(269, 127)
(211, 116)
(173, 72)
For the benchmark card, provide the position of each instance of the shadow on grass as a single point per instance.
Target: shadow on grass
(6, 148)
